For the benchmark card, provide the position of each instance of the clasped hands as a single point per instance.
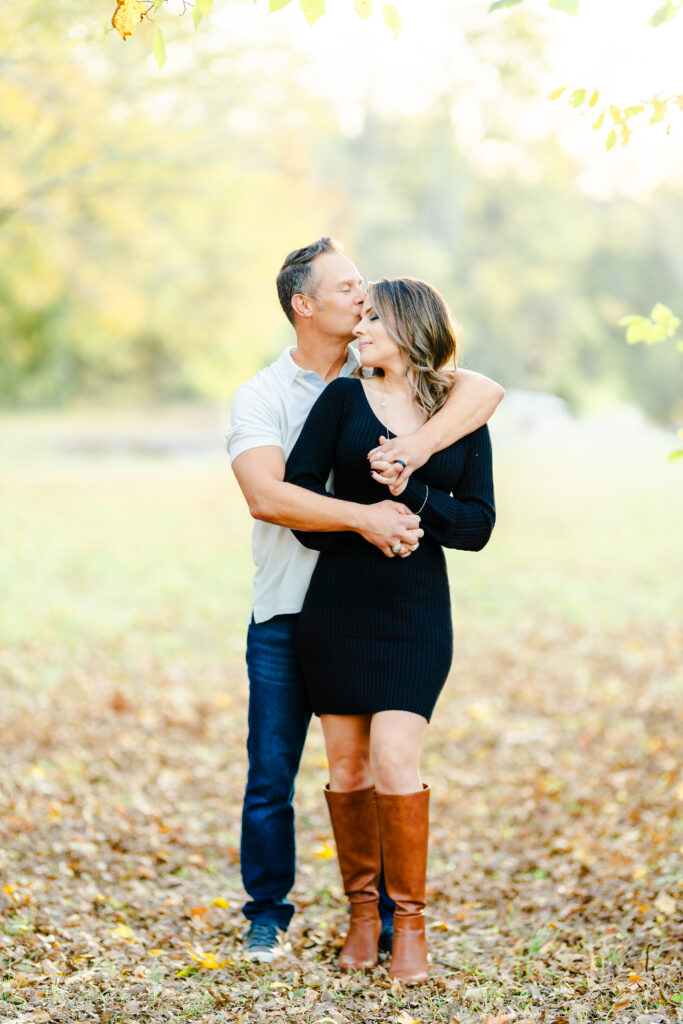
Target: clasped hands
(391, 463)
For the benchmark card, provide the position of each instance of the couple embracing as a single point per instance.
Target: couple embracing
(359, 465)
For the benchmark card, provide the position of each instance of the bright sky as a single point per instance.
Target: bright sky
(358, 65)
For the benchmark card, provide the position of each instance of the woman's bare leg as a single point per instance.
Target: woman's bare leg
(396, 739)
(347, 739)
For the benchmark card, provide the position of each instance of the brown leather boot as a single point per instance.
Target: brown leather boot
(404, 833)
(356, 833)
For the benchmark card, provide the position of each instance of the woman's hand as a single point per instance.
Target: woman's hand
(392, 462)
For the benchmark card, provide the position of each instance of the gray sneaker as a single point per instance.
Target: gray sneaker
(263, 942)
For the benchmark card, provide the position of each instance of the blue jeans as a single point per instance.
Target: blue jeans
(279, 713)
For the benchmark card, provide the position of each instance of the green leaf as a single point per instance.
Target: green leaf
(577, 97)
(615, 111)
(594, 98)
(277, 5)
(663, 316)
(497, 5)
(632, 111)
(158, 3)
(664, 13)
(658, 111)
(677, 454)
(611, 140)
(568, 6)
(363, 8)
(631, 319)
(556, 93)
(158, 48)
(201, 9)
(599, 123)
(392, 19)
(638, 330)
(313, 9)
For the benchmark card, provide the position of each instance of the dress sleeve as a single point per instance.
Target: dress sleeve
(312, 457)
(464, 517)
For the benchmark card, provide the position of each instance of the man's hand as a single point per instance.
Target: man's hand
(471, 401)
(386, 460)
(387, 524)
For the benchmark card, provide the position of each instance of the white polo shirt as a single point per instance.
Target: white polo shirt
(270, 409)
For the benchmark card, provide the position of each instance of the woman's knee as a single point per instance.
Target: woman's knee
(394, 771)
(348, 773)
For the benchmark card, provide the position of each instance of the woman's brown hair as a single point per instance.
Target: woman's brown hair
(416, 316)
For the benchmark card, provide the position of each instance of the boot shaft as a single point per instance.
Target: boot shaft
(404, 833)
(356, 834)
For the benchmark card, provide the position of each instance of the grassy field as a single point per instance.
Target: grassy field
(555, 886)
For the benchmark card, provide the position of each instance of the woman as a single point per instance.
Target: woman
(375, 637)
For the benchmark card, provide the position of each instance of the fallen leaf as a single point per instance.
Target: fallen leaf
(209, 961)
(665, 903)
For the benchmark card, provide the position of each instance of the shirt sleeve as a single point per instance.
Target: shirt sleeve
(312, 458)
(464, 517)
(254, 422)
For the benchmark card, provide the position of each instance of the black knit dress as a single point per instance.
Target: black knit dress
(375, 633)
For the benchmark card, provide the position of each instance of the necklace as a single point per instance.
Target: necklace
(383, 405)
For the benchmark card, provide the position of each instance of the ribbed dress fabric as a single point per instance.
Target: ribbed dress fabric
(375, 633)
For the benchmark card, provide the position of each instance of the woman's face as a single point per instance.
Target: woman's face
(376, 347)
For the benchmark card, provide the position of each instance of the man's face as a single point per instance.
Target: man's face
(338, 295)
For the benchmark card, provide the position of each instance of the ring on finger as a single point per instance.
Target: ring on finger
(397, 549)
(399, 462)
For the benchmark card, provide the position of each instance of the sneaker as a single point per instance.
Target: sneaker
(263, 942)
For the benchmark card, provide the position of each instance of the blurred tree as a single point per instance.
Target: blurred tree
(144, 217)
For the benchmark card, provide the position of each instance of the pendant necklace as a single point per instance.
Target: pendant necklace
(383, 405)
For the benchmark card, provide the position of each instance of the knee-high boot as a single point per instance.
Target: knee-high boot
(356, 833)
(404, 835)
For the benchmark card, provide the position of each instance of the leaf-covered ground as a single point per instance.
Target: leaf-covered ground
(555, 886)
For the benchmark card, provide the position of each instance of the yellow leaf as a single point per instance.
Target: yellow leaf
(639, 872)
(122, 931)
(392, 19)
(312, 10)
(220, 902)
(208, 961)
(8, 889)
(127, 15)
(156, 952)
(324, 851)
(363, 8)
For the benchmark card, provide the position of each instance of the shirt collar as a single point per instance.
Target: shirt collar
(291, 371)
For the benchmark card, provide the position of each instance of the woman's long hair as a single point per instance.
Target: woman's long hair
(417, 318)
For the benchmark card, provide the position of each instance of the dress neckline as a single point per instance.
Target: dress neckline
(385, 427)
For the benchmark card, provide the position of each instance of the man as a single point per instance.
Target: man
(321, 293)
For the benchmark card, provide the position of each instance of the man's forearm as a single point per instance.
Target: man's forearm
(296, 508)
(472, 401)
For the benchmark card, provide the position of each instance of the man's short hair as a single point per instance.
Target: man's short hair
(296, 273)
